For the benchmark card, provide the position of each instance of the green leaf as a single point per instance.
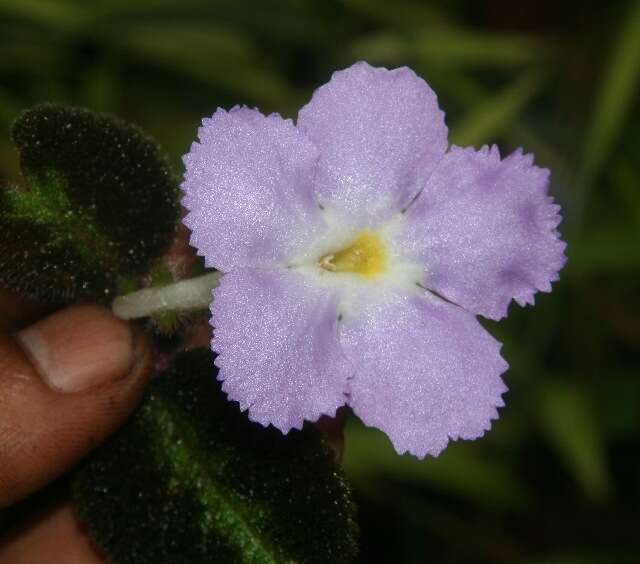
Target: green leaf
(456, 46)
(382, 48)
(570, 423)
(618, 402)
(468, 93)
(399, 14)
(625, 183)
(612, 248)
(214, 55)
(191, 479)
(458, 470)
(496, 114)
(614, 99)
(452, 48)
(55, 13)
(98, 205)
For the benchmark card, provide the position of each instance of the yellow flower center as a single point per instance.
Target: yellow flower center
(366, 255)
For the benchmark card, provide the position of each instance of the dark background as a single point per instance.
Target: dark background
(557, 480)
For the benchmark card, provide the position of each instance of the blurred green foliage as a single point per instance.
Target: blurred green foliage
(557, 480)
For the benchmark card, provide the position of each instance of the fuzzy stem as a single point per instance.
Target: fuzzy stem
(194, 293)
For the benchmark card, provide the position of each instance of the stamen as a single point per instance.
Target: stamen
(325, 262)
(366, 255)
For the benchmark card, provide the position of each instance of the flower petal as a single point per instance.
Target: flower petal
(380, 133)
(426, 372)
(485, 231)
(248, 186)
(279, 355)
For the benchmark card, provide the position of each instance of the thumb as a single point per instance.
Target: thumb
(66, 382)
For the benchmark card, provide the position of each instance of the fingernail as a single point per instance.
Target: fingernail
(79, 348)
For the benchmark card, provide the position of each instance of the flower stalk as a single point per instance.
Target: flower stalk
(191, 294)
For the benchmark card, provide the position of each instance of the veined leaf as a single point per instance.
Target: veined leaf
(99, 204)
(191, 479)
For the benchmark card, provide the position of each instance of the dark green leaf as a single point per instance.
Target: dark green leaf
(191, 479)
(98, 205)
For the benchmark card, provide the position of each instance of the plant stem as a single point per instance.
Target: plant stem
(194, 293)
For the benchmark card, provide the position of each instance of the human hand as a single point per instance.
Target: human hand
(101, 367)
(66, 382)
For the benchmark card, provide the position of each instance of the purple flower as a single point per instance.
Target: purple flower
(357, 251)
